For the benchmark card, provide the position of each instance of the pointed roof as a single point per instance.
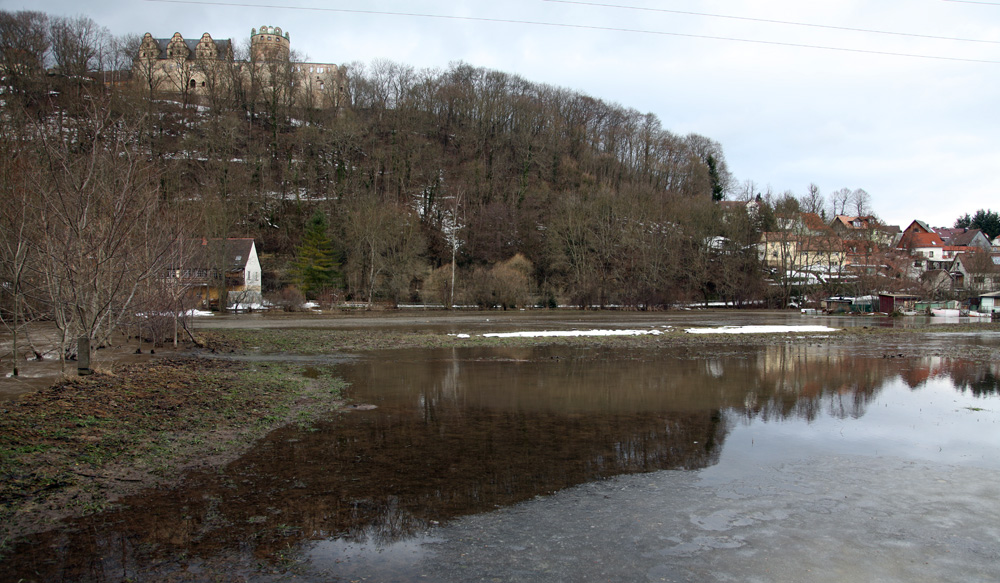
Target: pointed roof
(813, 222)
(232, 254)
(966, 238)
(223, 46)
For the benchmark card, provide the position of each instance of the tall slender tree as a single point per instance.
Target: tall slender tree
(316, 262)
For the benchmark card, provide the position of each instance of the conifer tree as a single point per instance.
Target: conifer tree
(316, 260)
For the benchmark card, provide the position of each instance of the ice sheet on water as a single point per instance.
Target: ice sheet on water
(759, 329)
(570, 333)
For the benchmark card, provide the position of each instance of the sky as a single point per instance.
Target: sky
(898, 97)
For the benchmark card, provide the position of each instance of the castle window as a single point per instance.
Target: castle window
(193, 83)
(319, 70)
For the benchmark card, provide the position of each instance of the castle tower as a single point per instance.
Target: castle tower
(268, 43)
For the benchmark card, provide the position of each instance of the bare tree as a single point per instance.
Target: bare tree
(17, 172)
(384, 244)
(76, 44)
(812, 201)
(860, 202)
(24, 48)
(839, 200)
(99, 224)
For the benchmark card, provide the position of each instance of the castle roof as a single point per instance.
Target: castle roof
(224, 46)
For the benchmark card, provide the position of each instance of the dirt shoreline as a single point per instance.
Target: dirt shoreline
(77, 446)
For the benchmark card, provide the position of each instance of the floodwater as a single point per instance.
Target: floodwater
(475, 456)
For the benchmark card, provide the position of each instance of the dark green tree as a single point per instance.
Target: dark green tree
(985, 220)
(316, 262)
(718, 190)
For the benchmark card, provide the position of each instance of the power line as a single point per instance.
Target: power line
(784, 22)
(578, 27)
(974, 2)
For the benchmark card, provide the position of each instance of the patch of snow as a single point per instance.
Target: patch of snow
(570, 333)
(759, 329)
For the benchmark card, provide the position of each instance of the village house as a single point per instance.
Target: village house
(969, 238)
(811, 257)
(207, 268)
(989, 303)
(866, 228)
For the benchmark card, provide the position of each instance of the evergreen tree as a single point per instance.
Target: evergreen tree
(718, 192)
(987, 221)
(316, 261)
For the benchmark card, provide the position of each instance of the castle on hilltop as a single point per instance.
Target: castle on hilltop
(198, 68)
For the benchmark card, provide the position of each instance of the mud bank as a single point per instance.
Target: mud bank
(76, 447)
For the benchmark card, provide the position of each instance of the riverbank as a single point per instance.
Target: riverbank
(76, 447)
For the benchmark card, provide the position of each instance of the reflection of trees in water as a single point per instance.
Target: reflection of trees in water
(465, 431)
(374, 477)
(982, 380)
(798, 381)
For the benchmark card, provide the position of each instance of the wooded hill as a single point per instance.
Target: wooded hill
(458, 186)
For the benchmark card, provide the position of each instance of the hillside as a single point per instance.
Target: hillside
(387, 191)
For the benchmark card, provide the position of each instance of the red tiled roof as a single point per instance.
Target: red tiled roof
(813, 222)
(915, 240)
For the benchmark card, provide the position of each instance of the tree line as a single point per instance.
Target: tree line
(453, 186)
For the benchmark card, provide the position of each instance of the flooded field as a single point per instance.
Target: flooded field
(570, 463)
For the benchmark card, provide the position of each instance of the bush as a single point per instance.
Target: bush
(288, 299)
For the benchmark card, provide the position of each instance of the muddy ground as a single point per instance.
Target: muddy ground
(77, 446)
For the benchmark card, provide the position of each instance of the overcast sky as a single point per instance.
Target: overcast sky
(796, 91)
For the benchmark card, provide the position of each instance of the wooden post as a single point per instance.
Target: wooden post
(83, 357)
